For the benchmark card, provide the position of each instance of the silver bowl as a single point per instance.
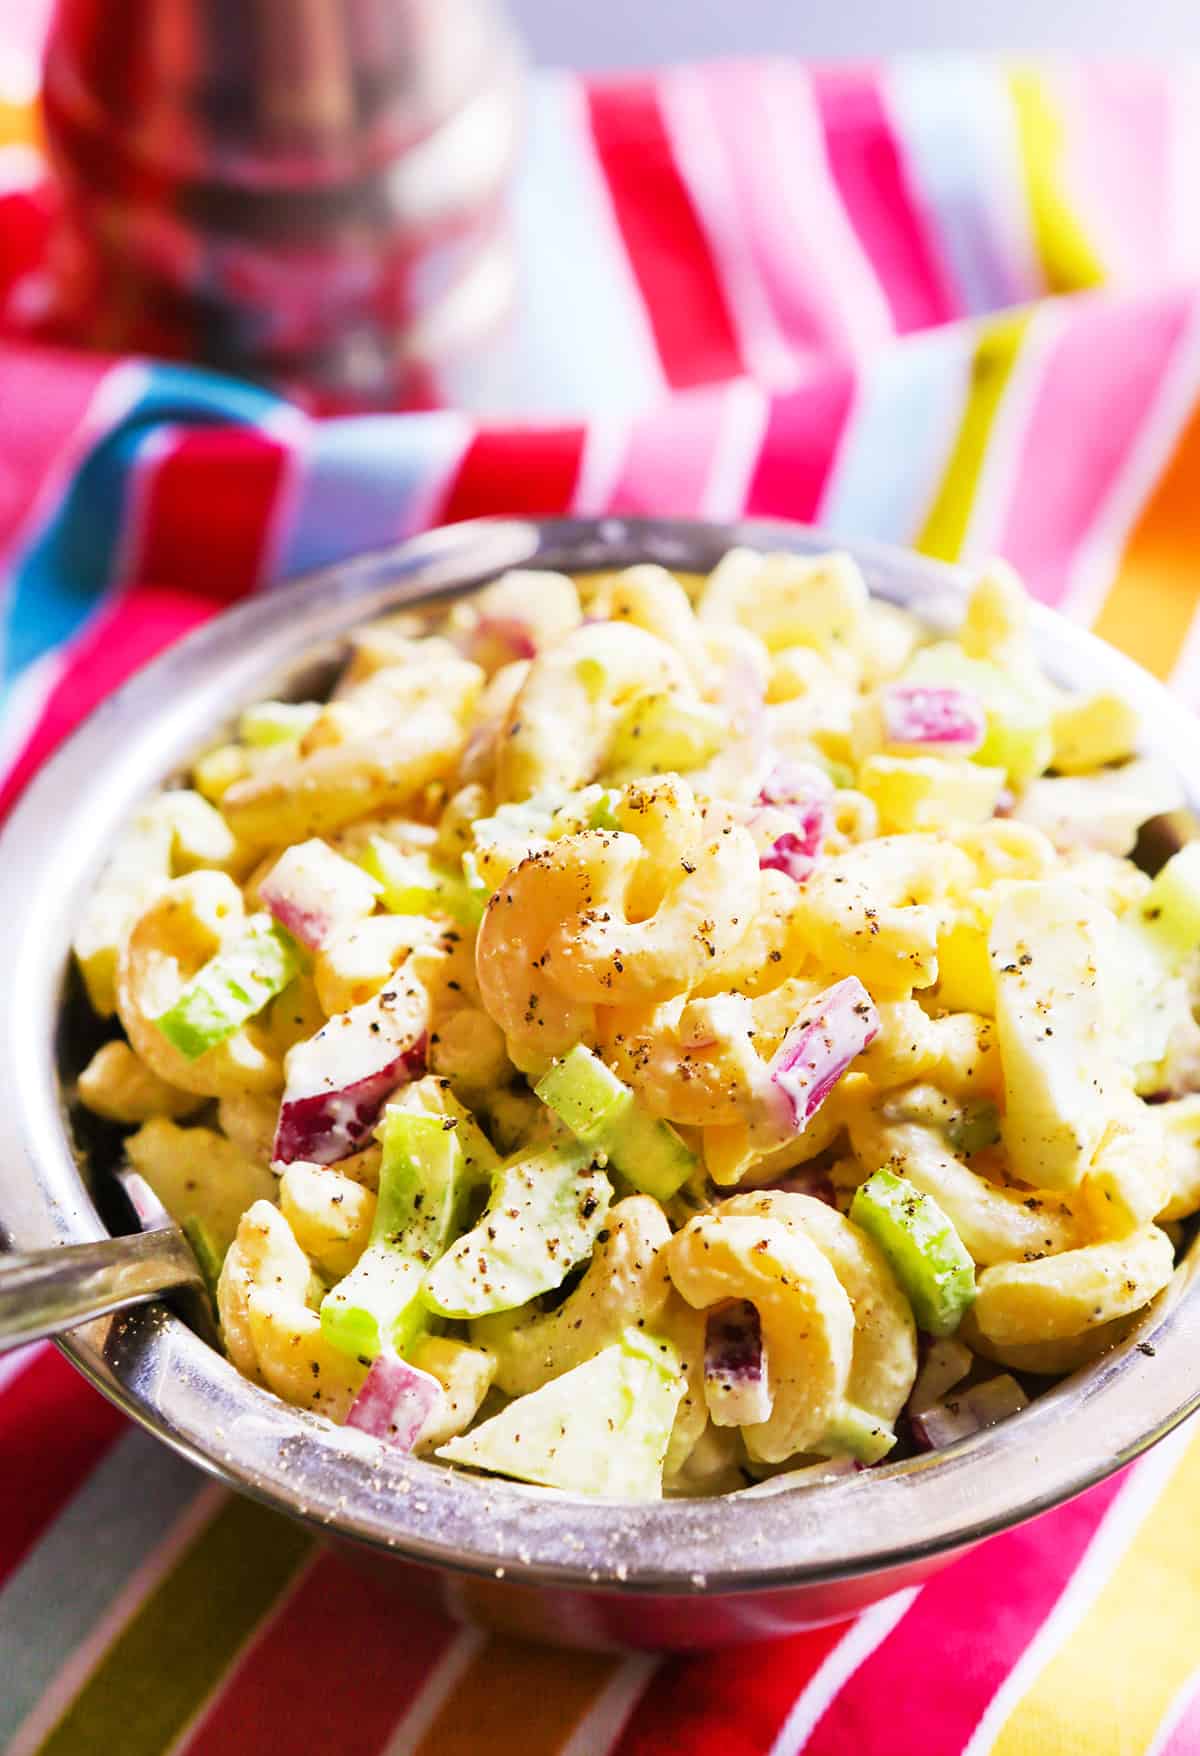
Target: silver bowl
(674, 1574)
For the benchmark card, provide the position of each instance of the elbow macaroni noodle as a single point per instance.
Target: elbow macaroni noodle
(582, 766)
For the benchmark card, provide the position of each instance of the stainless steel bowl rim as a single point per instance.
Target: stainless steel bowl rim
(155, 1369)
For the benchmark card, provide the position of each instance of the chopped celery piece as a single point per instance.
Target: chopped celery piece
(660, 733)
(602, 1112)
(1172, 909)
(206, 1252)
(542, 1217)
(412, 885)
(974, 1128)
(1019, 737)
(276, 722)
(601, 1428)
(601, 815)
(432, 1097)
(422, 1192)
(232, 987)
(856, 1432)
(927, 1255)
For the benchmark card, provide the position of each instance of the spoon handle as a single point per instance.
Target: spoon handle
(46, 1292)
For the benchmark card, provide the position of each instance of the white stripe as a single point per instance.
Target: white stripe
(21, 167)
(1185, 678)
(1183, 155)
(699, 154)
(605, 445)
(1174, 1716)
(19, 1360)
(88, 1654)
(1144, 462)
(1002, 458)
(739, 441)
(437, 1689)
(870, 1630)
(815, 208)
(605, 1719)
(19, 79)
(1116, 1531)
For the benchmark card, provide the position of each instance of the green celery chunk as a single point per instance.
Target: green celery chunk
(412, 885)
(423, 1186)
(232, 987)
(602, 1112)
(660, 733)
(602, 1428)
(276, 722)
(1019, 735)
(927, 1256)
(974, 1128)
(543, 1216)
(206, 1252)
(1172, 909)
(856, 1432)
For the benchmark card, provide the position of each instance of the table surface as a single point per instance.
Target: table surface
(646, 31)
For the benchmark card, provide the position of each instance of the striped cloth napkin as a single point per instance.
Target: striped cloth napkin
(863, 296)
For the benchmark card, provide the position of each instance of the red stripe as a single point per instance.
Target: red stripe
(209, 512)
(124, 636)
(668, 250)
(799, 447)
(726, 1704)
(884, 209)
(54, 1429)
(927, 1685)
(339, 1665)
(530, 470)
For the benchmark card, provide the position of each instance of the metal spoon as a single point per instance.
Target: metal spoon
(45, 1292)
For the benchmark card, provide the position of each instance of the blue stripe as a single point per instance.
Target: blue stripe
(67, 1583)
(364, 484)
(70, 565)
(954, 122)
(902, 427)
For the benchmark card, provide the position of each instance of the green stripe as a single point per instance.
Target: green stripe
(996, 351)
(169, 1658)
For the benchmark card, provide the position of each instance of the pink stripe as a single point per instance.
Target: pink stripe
(1103, 374)
(803, 248)
(868, 167)
(1184, 1739)
(669, 459)
(925, 1688)
(1116, 163)
(803, 433)
(47, 396)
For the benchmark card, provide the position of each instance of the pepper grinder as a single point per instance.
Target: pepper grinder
(305, 192)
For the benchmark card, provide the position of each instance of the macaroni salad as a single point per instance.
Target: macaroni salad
(650, 1034)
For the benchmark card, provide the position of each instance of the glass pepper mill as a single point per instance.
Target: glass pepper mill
(305, 192)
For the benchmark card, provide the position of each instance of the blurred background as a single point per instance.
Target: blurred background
(641, 31)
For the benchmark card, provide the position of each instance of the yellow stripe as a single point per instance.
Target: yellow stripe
(20, 124)
(1152, 601)
(1066, 255)
(1107, 1689)
(996, 351)
(517, 1700)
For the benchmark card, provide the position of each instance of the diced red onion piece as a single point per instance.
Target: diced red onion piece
(338, 1081)
(803, 792)
(981, 1406)
(395, 1402)
(311, 892)
(929, 717)
(509, 631)
(836, 1027)
(735, 1366)
(946, 1363)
